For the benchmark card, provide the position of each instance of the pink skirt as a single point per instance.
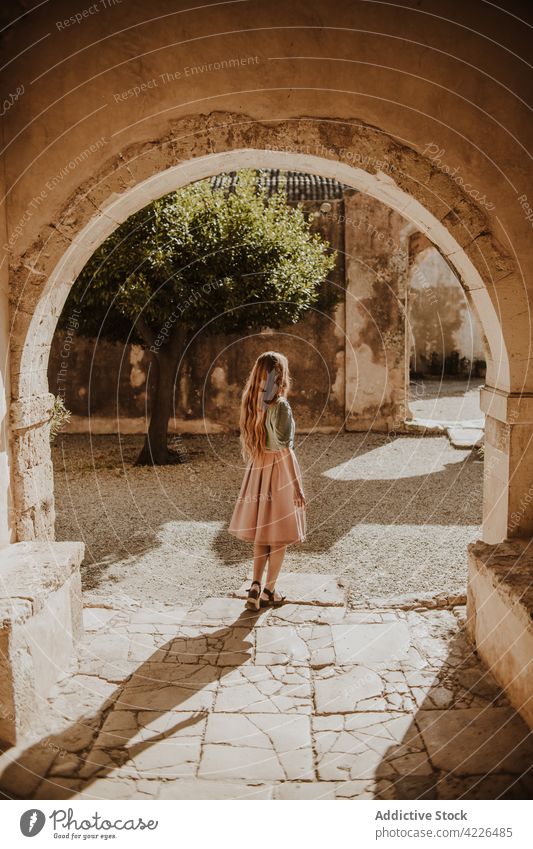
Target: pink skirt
(265, 512)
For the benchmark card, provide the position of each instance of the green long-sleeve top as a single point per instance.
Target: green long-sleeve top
(279, 425)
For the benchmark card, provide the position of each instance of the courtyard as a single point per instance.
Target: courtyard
(390, 515)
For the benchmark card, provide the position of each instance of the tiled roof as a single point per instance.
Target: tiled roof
(298, 186)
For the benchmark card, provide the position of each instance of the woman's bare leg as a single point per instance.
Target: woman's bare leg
(260, 559)
(275, 562)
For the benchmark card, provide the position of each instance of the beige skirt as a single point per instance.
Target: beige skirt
(265, 512)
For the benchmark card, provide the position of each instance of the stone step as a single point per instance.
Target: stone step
(311, 588)
(465, 437)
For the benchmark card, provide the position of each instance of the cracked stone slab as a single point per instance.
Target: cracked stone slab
(280, 644)
(58, 788)
(369, 745)
(148, 745)
(345, 691)
(237, 697)
(366, 643)
(22, 769)
(492, 786)
(296, 614)
(119, 788)
(157, 618)
(451, 688)
(476, 740)
(113, 671)
(257, 746)
(81, 696)
(265, 689)
(367, 788)
(212, 789)
(105, 647)
(228, 646)
(169, 758)
(320, 643)
(306, 790)
(306, 588)
(96, 618)
(167, 687)
(124, 728)
(434, 638)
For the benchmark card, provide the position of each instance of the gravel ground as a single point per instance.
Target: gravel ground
(389, 515)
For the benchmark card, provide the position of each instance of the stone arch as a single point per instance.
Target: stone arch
(193, 148)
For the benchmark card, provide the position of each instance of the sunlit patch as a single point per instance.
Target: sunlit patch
(402, 458)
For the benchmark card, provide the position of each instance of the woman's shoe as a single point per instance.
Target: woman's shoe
(252, 602)
(271, 601)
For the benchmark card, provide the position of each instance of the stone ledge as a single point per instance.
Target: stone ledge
(30, 571)
(509, 566)
(413, 601)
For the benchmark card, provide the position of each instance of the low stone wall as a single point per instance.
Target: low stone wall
(500, 615)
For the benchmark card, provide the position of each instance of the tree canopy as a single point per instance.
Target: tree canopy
(205, 259)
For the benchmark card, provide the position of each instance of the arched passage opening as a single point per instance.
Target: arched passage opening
(33, 481)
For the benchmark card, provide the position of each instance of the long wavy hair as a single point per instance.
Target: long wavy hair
(253, 405)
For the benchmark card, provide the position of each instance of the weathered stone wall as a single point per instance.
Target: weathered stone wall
(376, 277)
(6, 499)
(440, 321)
(106, 386)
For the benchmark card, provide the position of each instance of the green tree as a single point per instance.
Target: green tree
(204, 260)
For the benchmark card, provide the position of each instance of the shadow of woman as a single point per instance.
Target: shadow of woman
(180, 676)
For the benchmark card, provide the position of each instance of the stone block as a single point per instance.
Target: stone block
(40, 623)
(343, 692)
(500, 616)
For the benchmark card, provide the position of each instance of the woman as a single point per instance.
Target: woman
(270, 509)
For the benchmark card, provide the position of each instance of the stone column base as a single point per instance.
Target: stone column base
(499, 615)
(40, 623)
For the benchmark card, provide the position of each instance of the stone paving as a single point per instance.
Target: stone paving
(307, 701)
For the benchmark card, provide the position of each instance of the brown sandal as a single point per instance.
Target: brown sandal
(252, 602)
(271, 602)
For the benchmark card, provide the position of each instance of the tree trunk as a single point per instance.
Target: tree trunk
(155, 449)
